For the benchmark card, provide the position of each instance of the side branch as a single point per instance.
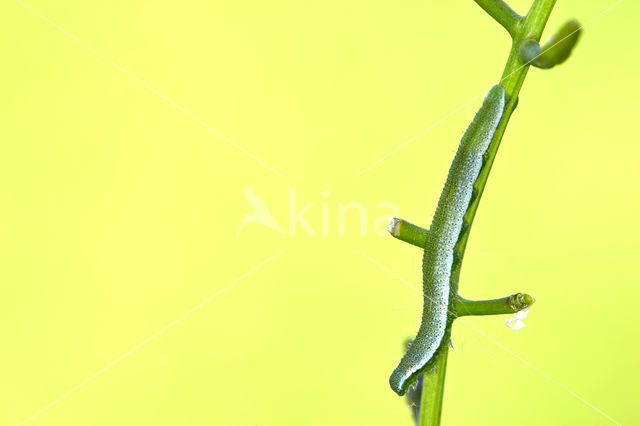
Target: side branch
(506, 305)
(502, 13)
(407, 232)
(555, 51)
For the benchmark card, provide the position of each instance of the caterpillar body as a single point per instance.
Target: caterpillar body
(440, 254)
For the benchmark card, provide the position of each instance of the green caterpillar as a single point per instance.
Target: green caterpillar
(440, 252)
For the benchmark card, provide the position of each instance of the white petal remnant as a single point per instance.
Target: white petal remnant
(392, 226)
(515, 322)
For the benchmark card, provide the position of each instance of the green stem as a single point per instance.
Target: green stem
(529, 27)
(407, 232)
(506, 305)
(433, 390)
(502, 13)
(555, 51)
(512, 78)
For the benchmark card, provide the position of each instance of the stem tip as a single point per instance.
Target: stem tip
(520, 301)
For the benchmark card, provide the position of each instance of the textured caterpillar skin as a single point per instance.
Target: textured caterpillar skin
(440, 255)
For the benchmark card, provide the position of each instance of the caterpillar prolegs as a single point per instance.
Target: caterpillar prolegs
(440, 247)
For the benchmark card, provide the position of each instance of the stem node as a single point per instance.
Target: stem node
(502, 13)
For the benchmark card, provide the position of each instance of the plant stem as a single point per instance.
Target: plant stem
(407, 232)
(555, 51)
(512, 78)
(433, 390)
(529, 27)
(501, 12)
(506, 305)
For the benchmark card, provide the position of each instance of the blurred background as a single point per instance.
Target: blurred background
(137, 135)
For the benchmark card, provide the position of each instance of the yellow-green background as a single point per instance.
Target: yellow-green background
(119, 212)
